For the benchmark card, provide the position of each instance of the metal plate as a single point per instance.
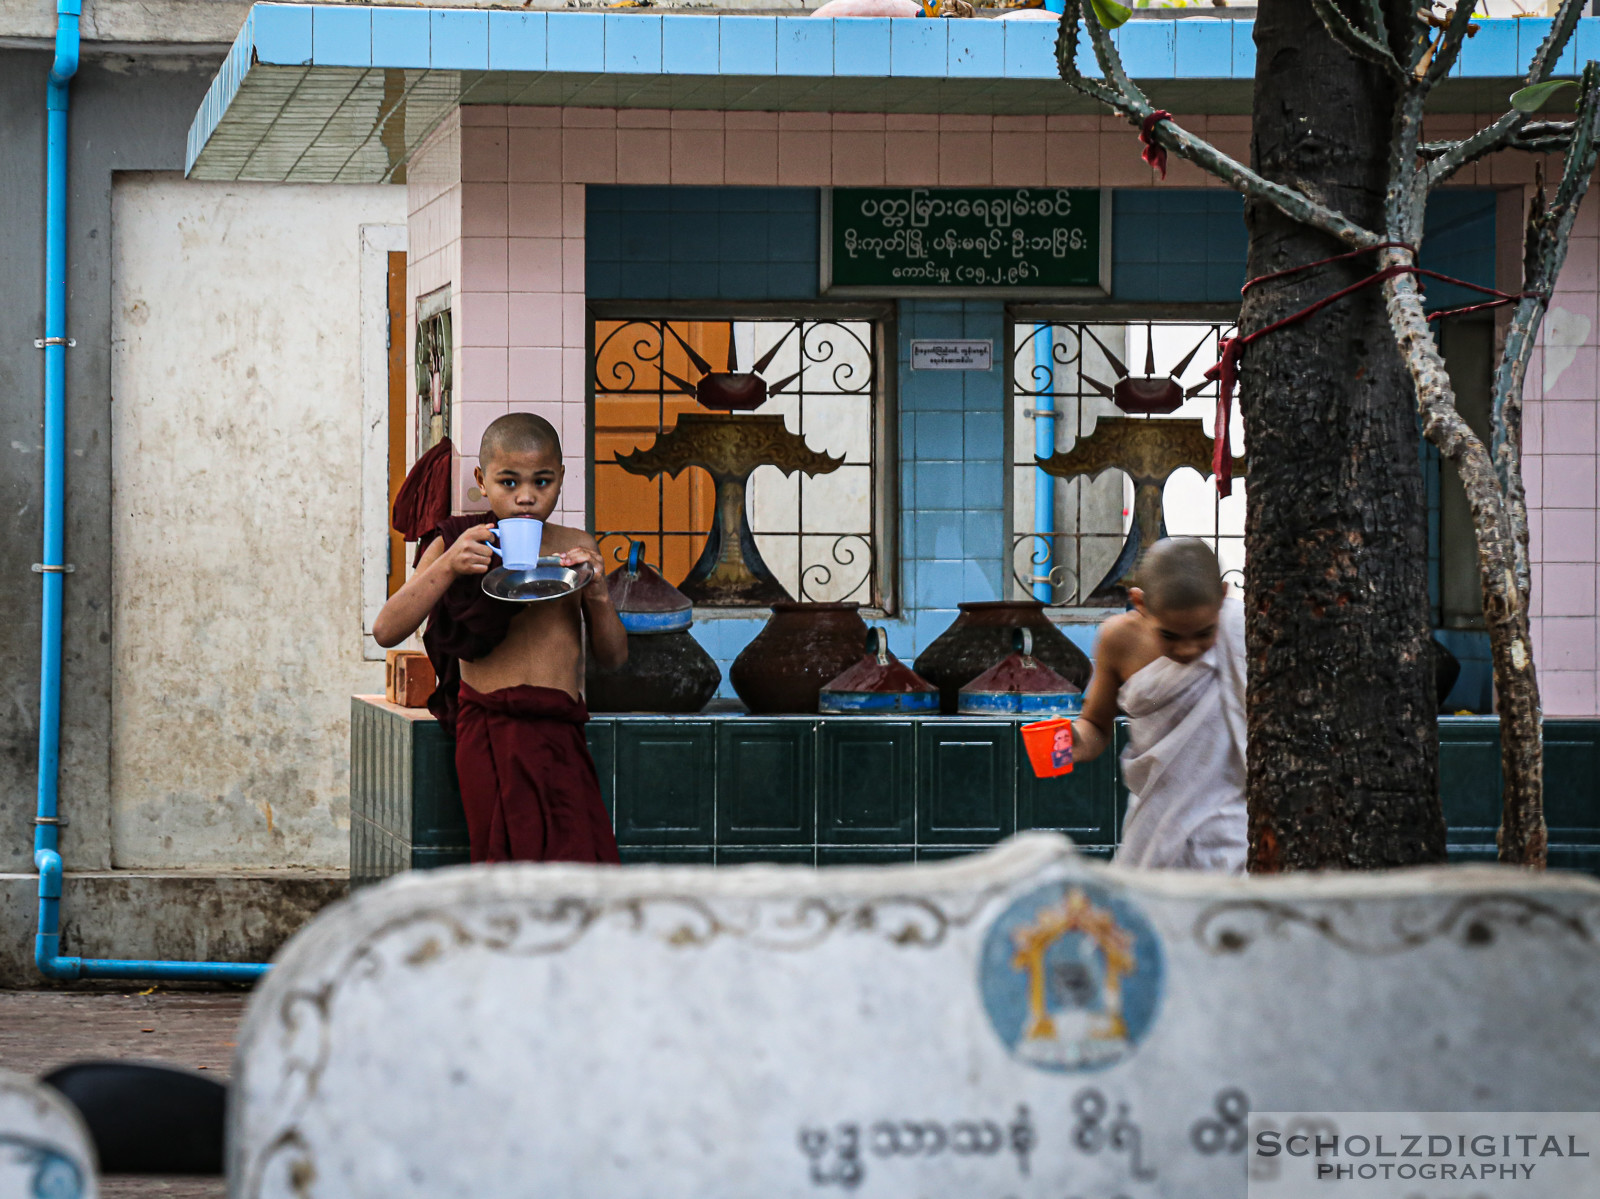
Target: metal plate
(547, 581)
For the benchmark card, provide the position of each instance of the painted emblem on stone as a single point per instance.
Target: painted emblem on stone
(1071, 977)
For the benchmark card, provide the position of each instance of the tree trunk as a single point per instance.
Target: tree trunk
(1343, 758)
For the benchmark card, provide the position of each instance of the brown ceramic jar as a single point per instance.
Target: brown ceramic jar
(982, 636)
(801, 648)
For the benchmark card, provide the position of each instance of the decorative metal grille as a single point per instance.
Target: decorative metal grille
(816, 534)
(1056, 366)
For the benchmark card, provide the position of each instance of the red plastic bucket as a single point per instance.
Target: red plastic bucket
(1049, 745)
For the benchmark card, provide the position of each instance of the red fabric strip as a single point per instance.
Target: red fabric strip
(1154, 154)
(1226, 372)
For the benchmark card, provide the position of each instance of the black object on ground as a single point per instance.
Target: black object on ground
(147, 1119)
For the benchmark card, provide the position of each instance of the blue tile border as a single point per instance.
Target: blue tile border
(402, 37)
(919, 47)
(631, 43)
(341, 35)
(861, 45)
(516, 41)
(280, 34)
(575, 42)
(1203, 49)
(805, 48)
(690, 45)
(749, 45)
(911, 51)
(460, 39)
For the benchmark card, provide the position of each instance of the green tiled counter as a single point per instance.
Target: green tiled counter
(405, 806)
(836, 790)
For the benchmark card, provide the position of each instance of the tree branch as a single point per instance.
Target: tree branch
(1486, 141)
(1118, 92)
(1347, 34)
(1522, 836)
(1110, 59)
(1536, 137)
(1500, 135)
(1561, 28)
(1549, 233)
(1449, 48)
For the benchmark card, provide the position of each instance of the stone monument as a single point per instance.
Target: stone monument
(1025, 1024)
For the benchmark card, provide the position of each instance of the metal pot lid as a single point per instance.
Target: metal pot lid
(1019, 673)
(878, 672)
(637, 587)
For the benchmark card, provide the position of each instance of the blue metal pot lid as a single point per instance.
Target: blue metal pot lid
(1019, 684)
(877, 684)
(656, 622)
(645, 602)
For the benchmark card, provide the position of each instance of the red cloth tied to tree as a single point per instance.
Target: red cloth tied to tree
(528, 784)
(1154, 154)
(424, 498)
(1225, 375)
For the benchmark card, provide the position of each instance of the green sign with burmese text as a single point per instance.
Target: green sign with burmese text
(898, 239)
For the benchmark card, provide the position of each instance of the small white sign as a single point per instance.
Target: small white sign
(965, 355)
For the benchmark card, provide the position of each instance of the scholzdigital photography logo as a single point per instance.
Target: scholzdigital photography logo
(1415, 1155)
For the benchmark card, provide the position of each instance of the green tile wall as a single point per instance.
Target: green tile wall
(842, 791)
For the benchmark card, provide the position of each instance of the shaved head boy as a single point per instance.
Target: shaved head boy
(511, 675)
(1175, 665)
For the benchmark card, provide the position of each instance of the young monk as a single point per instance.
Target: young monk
(509, 674)
(1176, 666)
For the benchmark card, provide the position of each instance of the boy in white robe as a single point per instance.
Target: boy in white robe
(1176, 666)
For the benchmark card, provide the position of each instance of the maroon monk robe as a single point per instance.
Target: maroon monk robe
(424, 498)
(528, 784)
(465, 624)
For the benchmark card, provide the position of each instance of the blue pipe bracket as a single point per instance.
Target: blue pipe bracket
(53, 568)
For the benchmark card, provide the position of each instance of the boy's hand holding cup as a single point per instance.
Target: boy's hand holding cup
(471, 554)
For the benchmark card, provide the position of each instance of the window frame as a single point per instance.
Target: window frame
(884, 316)
(1090, 314)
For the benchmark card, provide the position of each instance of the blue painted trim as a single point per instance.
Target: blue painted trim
(604, 44)
(656, 622)
(515, 39)
(1012, 703)
(877, 703)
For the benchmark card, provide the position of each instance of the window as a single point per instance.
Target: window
(784, 499)
(1074, 539)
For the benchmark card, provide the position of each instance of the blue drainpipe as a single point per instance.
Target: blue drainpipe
(1044, 444)
(46, 834)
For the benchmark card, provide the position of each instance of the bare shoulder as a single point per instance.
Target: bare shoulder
(558, 538)
(1119, 637)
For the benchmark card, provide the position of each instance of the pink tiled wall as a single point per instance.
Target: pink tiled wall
(1562, 447)
(497, 211)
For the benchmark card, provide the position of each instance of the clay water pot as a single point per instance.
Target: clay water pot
(667, 669)
(665, 672)
(799, 650)
(879, 684)
(982, 634)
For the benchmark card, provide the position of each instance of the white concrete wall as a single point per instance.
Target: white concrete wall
(236, 514)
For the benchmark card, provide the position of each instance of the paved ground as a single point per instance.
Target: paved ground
(40, 1030)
